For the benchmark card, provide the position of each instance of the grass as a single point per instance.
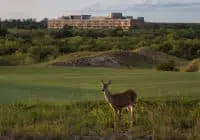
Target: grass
(66, 103)
(93, 120)
(79, 84)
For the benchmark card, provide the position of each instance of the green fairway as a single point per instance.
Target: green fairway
(77, 84)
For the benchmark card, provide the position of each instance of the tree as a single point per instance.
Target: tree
(62, 33)
(44, 23)
(117, 32)
(3, 32)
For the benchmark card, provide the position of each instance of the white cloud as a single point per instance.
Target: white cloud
(113, 5)
(54, 8)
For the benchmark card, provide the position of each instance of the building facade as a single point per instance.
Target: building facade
(114, 20)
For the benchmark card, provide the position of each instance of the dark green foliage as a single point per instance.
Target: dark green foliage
(62, 33)
(168, 66)
(15, 59)
(117, 32)
(43, 53)
(165, 47)
(24, 24)
(93, 33)
(3, 32)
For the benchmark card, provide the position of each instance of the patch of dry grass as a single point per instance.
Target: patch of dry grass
(193, 66)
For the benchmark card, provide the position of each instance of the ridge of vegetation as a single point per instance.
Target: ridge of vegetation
(26, 47)
(139, 58)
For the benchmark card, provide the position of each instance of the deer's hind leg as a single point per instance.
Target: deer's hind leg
(131, 111)
(119, 116)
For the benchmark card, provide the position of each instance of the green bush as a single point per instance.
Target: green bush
(74, 43)
(16, 59)
(168, 66)
(43, 53)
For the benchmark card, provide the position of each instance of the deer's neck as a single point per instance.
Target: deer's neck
(108, 96)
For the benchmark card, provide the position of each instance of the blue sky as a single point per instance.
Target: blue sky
(152, 10)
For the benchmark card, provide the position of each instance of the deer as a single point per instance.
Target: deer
(118, 101)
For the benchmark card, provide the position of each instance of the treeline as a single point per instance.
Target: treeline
(24, 23)
(34, 46)
(173, 25)
(31, 23)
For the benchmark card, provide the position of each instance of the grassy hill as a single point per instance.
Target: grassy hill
(139, 58)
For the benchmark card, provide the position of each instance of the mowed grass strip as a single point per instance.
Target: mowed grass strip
(80, 84)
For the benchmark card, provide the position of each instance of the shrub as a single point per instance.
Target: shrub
(43, 53)
(168, 66)
(15, 59)
(191, 68)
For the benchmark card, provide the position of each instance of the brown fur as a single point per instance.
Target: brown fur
(126, 99)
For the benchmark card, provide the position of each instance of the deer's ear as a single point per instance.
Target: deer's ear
(102, 81)
(109, 82)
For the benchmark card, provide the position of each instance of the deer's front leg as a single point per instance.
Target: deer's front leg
(115, 116)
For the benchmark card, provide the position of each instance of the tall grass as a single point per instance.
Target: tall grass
(175, 119)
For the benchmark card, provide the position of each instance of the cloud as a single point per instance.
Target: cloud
(139, 5)
(151, 9)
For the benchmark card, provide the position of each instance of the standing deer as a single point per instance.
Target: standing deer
(126, 99)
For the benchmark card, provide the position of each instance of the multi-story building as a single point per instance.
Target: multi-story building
(114, 20)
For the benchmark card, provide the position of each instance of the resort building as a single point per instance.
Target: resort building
(111, 21)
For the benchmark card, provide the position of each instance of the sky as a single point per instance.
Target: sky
(152, 10)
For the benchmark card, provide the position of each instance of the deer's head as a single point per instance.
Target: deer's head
(104, 86)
